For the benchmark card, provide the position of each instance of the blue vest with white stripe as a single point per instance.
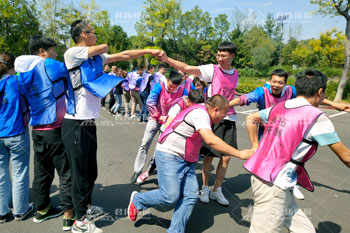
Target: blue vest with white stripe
(11, 107)
(92, 78)
(42, 87)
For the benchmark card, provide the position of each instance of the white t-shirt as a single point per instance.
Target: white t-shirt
(207, 73)
(174, 143)
(321, 132)
(173, 111)
(87, 105)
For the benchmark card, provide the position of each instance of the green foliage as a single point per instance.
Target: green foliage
(246, 88)
(332, 87)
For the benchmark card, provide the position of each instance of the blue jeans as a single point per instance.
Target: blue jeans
(16, 148)
(144, 111)
(117, 104)
(177, 184)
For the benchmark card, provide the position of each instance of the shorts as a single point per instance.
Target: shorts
(226, 130)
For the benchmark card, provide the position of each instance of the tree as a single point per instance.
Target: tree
(221, 25)
(338, 8)
(18, 21)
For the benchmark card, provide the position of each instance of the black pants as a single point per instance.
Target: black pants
(49, 154)
(80, 141)
(111, 101)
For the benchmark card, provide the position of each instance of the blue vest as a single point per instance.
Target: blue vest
(11, 107)
(42, 87)
(93, 79)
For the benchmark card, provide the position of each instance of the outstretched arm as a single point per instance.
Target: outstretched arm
(181, 66)
(342, 152)
(253, 121)
(132, 54)
(338, 106)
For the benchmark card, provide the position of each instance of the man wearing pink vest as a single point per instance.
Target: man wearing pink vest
(222, 79)
(278, 163)
(176, 154)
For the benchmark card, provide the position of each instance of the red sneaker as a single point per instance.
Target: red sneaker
(132, 211)
(142, 178)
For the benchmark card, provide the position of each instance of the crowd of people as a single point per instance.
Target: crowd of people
(192, 109)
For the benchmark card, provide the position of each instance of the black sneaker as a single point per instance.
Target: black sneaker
(5, 217)
(68, 223)
(52, 212)
(20, 217)
(134, 177)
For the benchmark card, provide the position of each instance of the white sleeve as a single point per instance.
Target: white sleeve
(104, 57)
(75, 56)
(199, 118)
(207, 72)
(174, 110)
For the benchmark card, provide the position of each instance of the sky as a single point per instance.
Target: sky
(302, 19)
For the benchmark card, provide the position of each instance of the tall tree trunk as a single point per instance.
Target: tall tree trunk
(344, 77)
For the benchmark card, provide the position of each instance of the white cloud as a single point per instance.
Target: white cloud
(267, 4)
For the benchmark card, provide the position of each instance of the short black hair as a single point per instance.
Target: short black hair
(140, 67)
(227, 46)
(281, 73)
(196, 96)
(7, 62)
(150, 66)
(175, 77)
(308, 82)
(77, 27)
(36, 42)
(162, 66)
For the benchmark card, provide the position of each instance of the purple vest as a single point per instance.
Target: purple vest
(193, 143)
(270, 100)
(224, 84)
(134, 76)
(283, 133)
(145, 78)
(156, 79)
(166, 99)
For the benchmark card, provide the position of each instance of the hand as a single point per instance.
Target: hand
(246, 154)
(347, 108)
(163, 57)
(254, 148)
(162, 119)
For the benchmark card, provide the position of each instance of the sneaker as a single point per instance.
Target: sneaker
(94, 213)
(219, 197)
(85, 226)
(52, 212)
(20, 217)
(297, 193)
(142, 178)
(205, 195)
(68, 223)
(132, 211)
(5, 217)
(134, 176)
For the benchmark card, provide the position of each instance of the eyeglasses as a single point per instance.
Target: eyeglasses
(90, 32)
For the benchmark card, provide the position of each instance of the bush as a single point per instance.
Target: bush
(332, 87)
(246, 88)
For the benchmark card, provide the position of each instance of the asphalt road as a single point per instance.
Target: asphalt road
(118, 141)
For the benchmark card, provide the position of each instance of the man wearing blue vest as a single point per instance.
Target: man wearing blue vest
(86, 86)
(42, 82)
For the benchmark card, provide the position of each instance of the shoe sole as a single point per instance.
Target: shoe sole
(25, 215)
(131, 198)
(204, 201)
(47, 218)
(219, 202)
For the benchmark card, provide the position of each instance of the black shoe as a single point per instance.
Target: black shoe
(141, 119)
(52, 212)
(68, 223)
(20, 217)
(153, 166)
(134, 177)
(5, 217)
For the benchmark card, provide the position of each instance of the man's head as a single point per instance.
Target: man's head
(150, 68)
(114, 69)
(278, 80)
(198, 84)
(173, 81)
(139, 69)
(162, 69)
(194, 97)
(7, 61)
(83, 33)
(42, 46)
(311, 84)
(106, 68)
(226, 54)
(217, 107)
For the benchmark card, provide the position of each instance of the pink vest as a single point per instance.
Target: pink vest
(283, 133)
(166, 99)
(193, 143)
(181, 103)
(270, 100)
(224, 84)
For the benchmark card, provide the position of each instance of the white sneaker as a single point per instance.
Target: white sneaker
(94, 213)
(85, 226)
(219, 197)
(297, 193)
(142, 178)
(204, 195)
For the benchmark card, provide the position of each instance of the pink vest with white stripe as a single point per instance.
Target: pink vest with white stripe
(193, 143)
(166, 99)
(283, 133)
(224, 84)
(270, 100)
